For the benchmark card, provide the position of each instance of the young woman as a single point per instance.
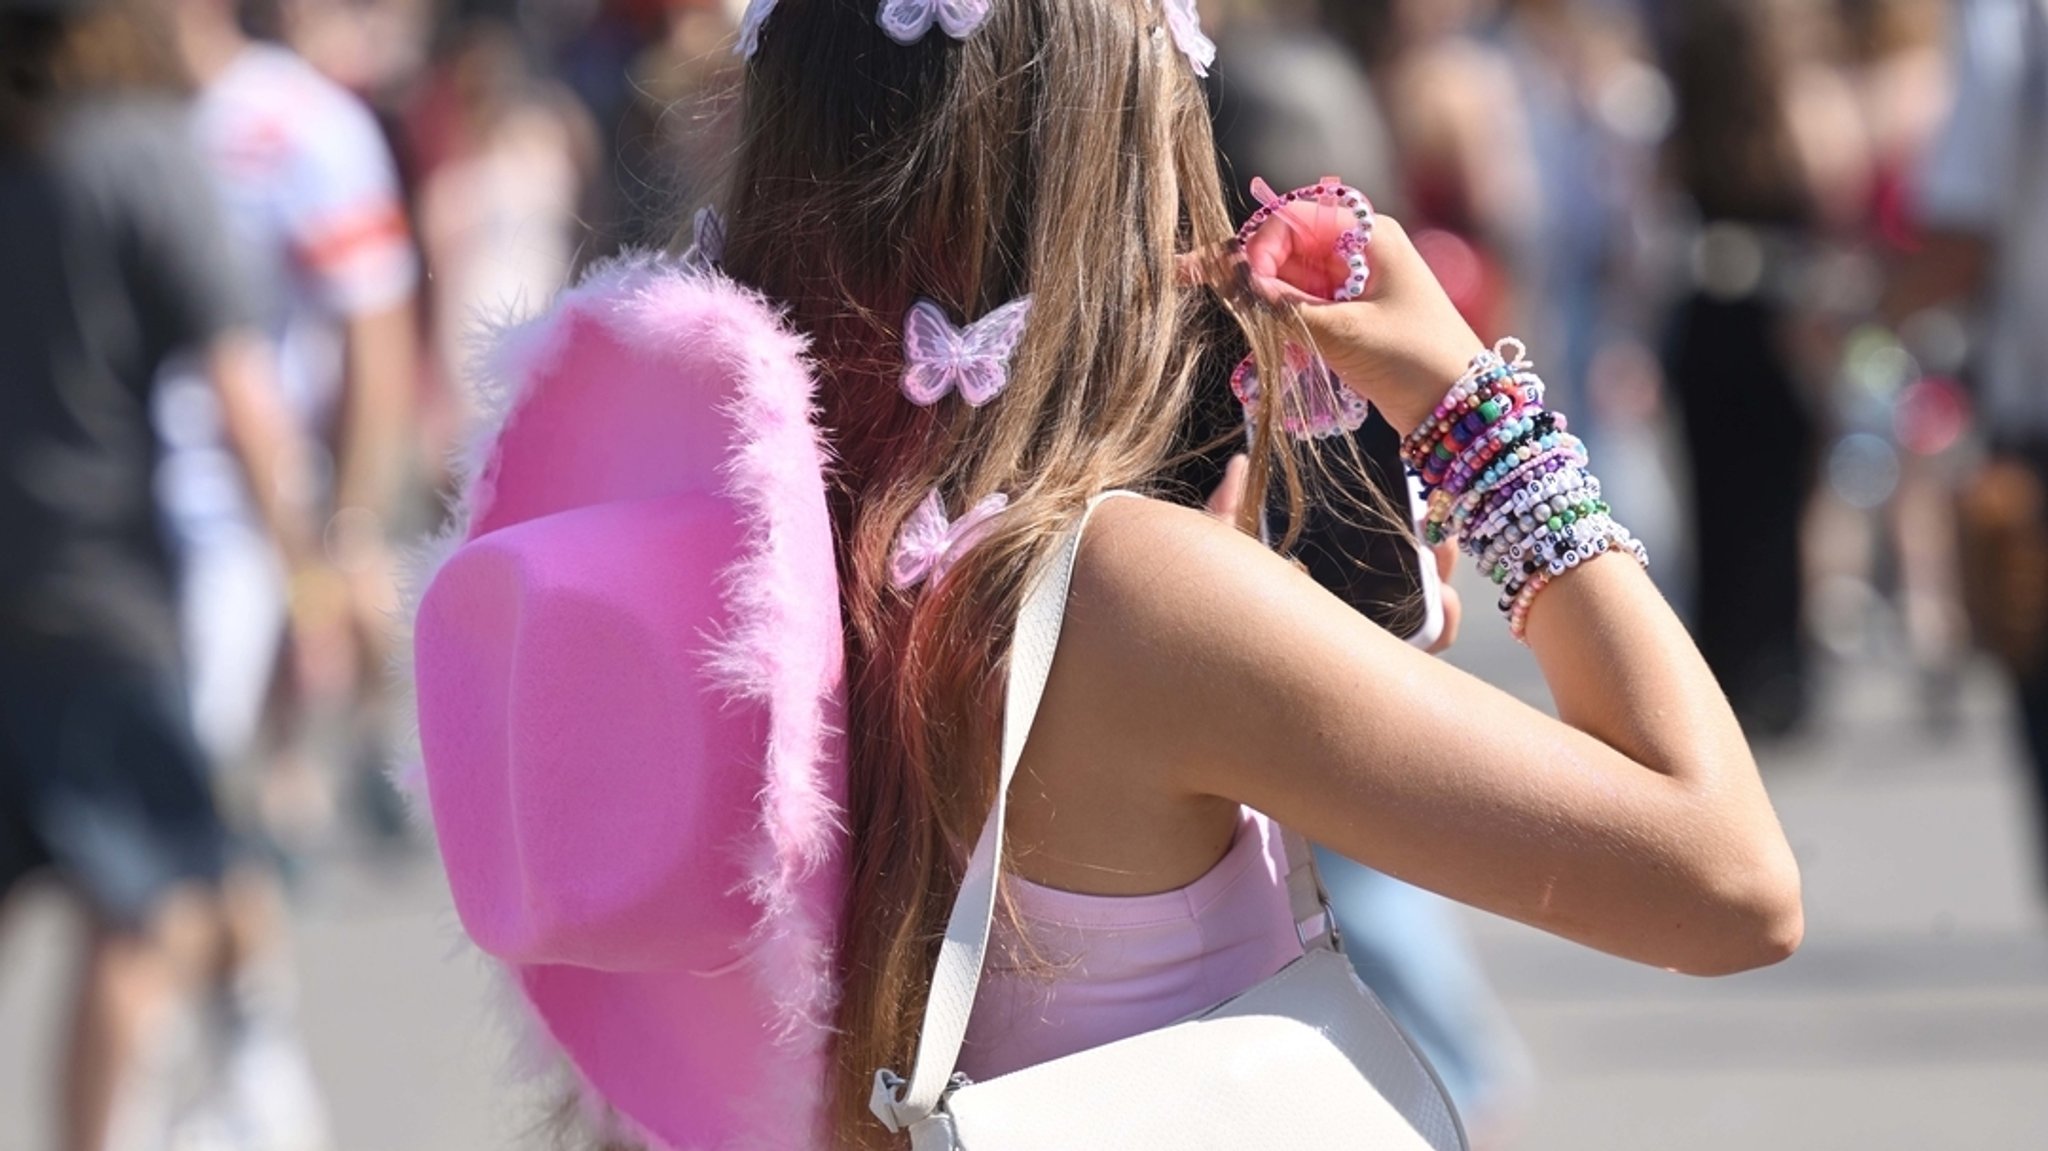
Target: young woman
(1202, 687)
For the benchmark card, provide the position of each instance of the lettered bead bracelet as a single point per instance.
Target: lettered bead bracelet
(1504, 476)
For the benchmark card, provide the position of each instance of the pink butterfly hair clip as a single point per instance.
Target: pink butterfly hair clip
(975, 361)
(907, 21)
(931, 544)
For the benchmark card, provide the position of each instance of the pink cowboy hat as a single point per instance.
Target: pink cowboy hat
(628, 672)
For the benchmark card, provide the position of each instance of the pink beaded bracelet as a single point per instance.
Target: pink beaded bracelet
(1329, 192)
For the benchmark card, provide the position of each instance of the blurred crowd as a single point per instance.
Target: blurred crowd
(1785, 263)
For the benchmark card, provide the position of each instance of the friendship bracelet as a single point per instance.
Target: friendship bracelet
(1487, 368)
(1518, 611)
(1350, 246)
(1544, 456)
(1512, 516)
(1506, 477)
(1452, 426)
(1575, 521)
(1554, 477)
(1533, 426)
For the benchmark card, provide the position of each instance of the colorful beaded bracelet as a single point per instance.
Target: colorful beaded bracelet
(1506, 477)
(1502, 506)
(1513, 518)
(1562, 531)
(1486, 369)
(1529, 425)
(1529, 460)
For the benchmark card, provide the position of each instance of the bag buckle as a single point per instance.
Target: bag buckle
(884, 1100)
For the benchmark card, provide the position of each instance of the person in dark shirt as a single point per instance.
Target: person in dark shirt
(111, 259)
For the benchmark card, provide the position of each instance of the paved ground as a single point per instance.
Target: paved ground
(1916, 1014)
(1916, 1017)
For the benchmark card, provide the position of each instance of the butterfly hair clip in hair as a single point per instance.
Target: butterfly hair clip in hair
(707, 239)
(930, 544)
(1184, 24)
(974, 361)
(907, 21)
(751, 21)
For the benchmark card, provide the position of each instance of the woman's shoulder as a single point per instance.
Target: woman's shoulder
(1161, 582)
(1147, 547)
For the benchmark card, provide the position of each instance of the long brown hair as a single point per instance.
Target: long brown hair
(1062, 150)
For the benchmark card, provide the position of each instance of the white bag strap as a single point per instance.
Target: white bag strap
(899, 1104)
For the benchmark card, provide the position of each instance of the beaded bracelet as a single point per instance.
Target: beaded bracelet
(1576, 522)
(1488, 369)
(1500, 506)
(1518, 610)
(1351, 245)
(1532, 425)
(1506, 477)
(1559, 552)
(1516, 518)
(1546, 455)
(1548, 544)
(1491, 398)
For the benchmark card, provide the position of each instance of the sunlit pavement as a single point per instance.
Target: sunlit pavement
(1915, 1017)
(1916, 1014)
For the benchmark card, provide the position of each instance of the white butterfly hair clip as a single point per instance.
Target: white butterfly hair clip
(975, 361)
(756, 15)
(907, 21)
(1184, 23)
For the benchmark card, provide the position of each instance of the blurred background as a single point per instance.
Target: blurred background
(1784, 262)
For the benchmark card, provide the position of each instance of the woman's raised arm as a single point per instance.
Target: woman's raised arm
(1636, 824)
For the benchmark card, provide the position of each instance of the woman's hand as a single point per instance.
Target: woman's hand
(1401, 345)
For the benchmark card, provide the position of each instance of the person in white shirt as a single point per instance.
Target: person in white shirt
(318, 228)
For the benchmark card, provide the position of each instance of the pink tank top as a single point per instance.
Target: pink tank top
(1101, 968)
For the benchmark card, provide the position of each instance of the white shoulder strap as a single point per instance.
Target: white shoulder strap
(957, 977)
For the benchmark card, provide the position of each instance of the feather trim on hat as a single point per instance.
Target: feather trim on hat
(781, 648)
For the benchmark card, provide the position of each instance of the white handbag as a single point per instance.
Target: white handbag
(1306, 1059)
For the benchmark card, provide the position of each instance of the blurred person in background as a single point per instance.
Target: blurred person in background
(114, 260)
(654, 75)
(317, 227)
(1462, 142)
(1764, 151)
(675, 133)
(317, 224)
(1888, 541)
(507, 160)
(1983, 200)
(1597, 110)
